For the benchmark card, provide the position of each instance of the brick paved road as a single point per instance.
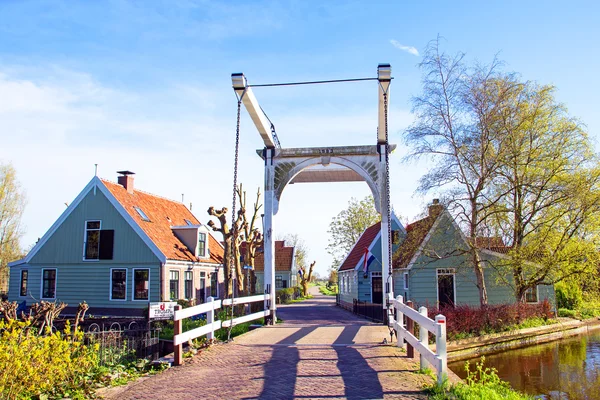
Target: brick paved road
(320, 351)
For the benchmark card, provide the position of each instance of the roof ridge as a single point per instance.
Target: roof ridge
(145, 192)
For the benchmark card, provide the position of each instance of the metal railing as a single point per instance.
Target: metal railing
(119, 345)
(372, 311)
(437, 359)
(212, 325)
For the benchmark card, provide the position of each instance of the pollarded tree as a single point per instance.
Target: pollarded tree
(345, 228)
(252, 238)
(12, 204)
(306, 277)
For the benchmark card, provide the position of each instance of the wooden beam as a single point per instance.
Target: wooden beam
(240, 85)
(384, 75)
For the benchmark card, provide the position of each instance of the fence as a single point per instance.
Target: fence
(373, 311)
(212, 325)
(120, 345)
(439, 359)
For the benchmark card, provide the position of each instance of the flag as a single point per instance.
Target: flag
(367, 259)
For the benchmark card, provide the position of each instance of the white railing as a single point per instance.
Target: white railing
(439, 359)
(212, 325)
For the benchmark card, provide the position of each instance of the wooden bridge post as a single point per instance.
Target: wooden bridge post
(177, 354)
(423, 338)
(210, 318)
(399, 323)
(410, 326)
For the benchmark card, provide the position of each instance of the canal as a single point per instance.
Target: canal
(564, 369)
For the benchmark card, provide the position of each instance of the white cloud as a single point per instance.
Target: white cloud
(409, 49)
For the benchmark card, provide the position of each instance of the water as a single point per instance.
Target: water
(564, 369)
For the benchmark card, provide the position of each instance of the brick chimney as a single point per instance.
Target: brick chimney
(435, 208)
(126, 180)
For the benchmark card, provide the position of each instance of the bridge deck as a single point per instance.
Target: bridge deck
(319, 351)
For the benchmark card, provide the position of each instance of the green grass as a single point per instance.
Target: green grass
(328, 292)
(483, 383)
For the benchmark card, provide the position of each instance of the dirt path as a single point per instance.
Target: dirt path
(320, 351)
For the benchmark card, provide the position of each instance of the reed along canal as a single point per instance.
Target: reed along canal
(564, 369)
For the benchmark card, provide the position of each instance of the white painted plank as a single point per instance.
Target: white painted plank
(425, 351)
(425, 322)
(197, 332)
(195, 310)
(246, 318)
(248, 299)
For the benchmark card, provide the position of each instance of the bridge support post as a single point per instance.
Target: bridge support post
(177, 350)
(269, 245)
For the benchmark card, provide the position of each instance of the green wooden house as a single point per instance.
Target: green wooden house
(431, 266)
(286, 272)
(119, 248)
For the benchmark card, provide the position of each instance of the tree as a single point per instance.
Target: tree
(300, 248)
(550, 185)
(345, 228)
(12, 204)
(456, 127)
(306, 277)
(252, 239)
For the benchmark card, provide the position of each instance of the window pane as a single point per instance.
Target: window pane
(92, 243)
(189, 287)
(213, 284)
(202, 244)
(24, 276)
(531, 295)
(141, 284)
(49, 284)
(119, 284)
(278, 282)
(92, 225)
(174, 284)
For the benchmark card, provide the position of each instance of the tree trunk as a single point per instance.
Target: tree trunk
(479, 274)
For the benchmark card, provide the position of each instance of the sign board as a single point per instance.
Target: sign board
(162, 310)
(247, 267)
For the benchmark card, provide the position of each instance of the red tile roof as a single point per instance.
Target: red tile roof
(284, 257)
(163, 214)
(358, 250)
(415, 234)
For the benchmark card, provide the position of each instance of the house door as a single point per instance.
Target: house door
(377, 290)
(446, 295)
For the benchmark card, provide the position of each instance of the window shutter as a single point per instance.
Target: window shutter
(107, 240)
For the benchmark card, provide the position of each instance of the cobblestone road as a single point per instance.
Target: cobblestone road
(320, 351)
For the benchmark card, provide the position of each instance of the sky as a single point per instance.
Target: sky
(145, 86)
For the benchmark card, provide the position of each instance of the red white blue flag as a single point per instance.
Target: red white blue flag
(367, 259)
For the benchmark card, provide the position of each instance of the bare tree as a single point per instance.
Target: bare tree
(252, 239)
(12, 204)
(306, 277)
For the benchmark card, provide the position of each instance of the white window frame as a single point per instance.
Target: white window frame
(193, 294)
(42, 283)
(405, 276)
(178, 284)
(133, 284)
(280, 280)
(537, 295)
(205, 255)
(110, 291)
(85, 231)
(21, 282)
(217, 282)
(444, 271)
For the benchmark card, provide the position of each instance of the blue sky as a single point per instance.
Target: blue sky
(145, 86)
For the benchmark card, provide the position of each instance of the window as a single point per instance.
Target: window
(118, 284)
(98, 244)
(48, 283)
(202, 293)
(531, 295)
(201, 245)
(141, 284)
(406, 281)
(214, 290)
(174, 284)
(278, 282)
(92, 240)
(189, 284)
(24, 277)
(142, 214)
(188, 222)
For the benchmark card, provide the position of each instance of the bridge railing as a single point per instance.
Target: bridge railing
(212, 325)
(437, 359)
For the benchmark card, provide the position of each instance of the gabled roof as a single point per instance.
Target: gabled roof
(415, 235)
(358, 250)
(163, 215)
(284, 258)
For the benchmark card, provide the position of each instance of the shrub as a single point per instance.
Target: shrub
(563, 312)
(58, 364)
(285, 296)
(568, 296)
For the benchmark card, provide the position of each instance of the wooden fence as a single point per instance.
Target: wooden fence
(437, 359)
(212, 325)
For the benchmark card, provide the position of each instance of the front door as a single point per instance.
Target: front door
(377, 290)
(445, 290)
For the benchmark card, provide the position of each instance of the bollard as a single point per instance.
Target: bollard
(440, 347)
(210, 318)
(423, 338)
(410, 326)
(177, 353)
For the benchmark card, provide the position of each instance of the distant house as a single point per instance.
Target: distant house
(431, 266)
(119, 248)
(286, 274)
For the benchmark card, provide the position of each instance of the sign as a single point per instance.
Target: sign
(162, 310)
(247, 267)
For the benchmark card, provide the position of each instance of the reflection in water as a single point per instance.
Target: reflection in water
(568, 368)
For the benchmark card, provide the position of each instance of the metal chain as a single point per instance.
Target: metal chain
(233, 209)
(387, 183)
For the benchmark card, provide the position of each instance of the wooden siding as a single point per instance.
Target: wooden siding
(260, 277)
(77, 283)
(66, 244)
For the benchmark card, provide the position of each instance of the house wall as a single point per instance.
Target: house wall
(285, 275)
(196, 279)
(437, 254)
